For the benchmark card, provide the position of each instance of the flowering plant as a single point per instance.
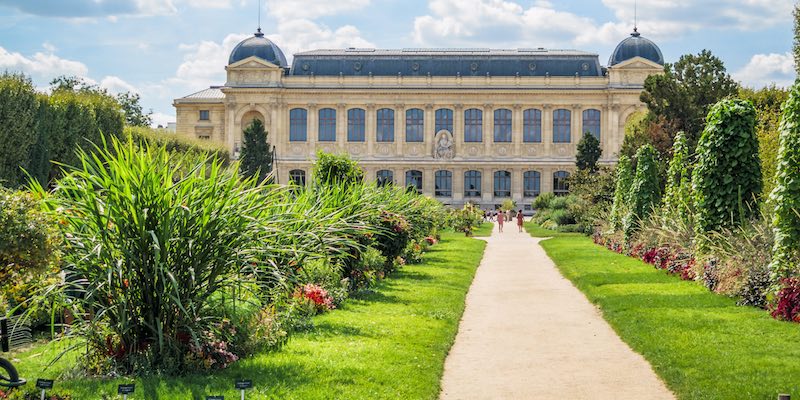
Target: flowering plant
(317, 295)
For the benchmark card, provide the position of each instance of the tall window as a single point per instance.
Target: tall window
(444, 183)
(444, 120)
(355, 125)
(415, 121)
(561, 126)
(473, 125)
(204, 115)
(560, 183)
(472, 184)
(385, 132)
(297, 177)
(384, 177)
(532, 126)
(531, 183)
(502, 184)
(414, 180)
(327, 125)
(502, 125)
(591, 122)
(298, 123)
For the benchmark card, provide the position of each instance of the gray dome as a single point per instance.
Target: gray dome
(260, 47)
(636, 46)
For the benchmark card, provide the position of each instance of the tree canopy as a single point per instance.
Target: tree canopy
(589, 152)
(256, 156)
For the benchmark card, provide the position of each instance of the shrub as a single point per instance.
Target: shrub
(256, 159)
(543, 200)
(786, 195)
(330, 169)
(19, 107)
(726, 181)
(144, 136)
(644, 191)
(466, 219)
(787, 301)
(588, 153)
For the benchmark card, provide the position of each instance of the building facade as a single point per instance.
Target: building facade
(460, 125)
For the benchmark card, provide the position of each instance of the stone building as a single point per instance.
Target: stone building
(478, 125)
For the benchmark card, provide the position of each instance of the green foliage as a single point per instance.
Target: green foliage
(726, 181)
(686, 90)
(589, 152)
(331, 169)
(508, 205)
(796, 44)
(622, 186)
(767, 102)
(256, 159)
(466, 219)
(543, 200)
(144, 136)
(678, 193)
(786, 195)
(593, 192)
(642, 128)
(645, 190)
(19, 108)
(134, 116)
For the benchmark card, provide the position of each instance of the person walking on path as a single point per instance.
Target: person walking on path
(501, 217)
(520, 220)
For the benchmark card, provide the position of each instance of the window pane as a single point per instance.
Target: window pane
(414, 125)
(355, 125)
(204, 115)
(385, 131)
(444, 183)
(561, 126)
(502, 184)
(414, 180)
(532, 182)
(444, 120)
(560, 183)
(532, 126)
(591, 122)
(298, 177)
(327, 125)
(297, 124)
(472, 184)
(473, 125)
(385, 177)
(502, 125)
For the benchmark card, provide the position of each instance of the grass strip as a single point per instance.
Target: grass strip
(389, 343)
(484, 229)
(701, 344)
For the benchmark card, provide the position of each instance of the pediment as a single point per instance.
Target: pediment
(252, 62)
(638, 63)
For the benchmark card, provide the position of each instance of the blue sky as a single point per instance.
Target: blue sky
(163, 49)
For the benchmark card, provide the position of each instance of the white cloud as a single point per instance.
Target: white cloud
(301, 34)
(42, 67)
(765, 69)
(162, 119)
(115, 85)
(298, 9)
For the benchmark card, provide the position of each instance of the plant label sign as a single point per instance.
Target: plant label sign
(44, 384)
(244, 384)
(126, 389)
(215, 397)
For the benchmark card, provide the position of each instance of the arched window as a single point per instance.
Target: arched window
(561, 126)
(297, 177)
(444, 120)
(560, 183)
(444, 183)
(355, 125)
(472, 184)
(327, 125)
(532, 126)
(298, 124)
(384, 177)
(414, 180)
(385, 131)
(502, 184)
(531, 183)
(502, 125)
(591, 122)
(473, 125)
(415, 121)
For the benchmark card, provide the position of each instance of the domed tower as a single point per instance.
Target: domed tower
(258, 46)
(636, 46)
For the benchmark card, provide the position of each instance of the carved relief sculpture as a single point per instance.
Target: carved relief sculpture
(445, 148)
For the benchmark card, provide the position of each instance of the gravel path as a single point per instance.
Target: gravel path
(527, 333)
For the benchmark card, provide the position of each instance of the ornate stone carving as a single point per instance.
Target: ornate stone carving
(445, 146)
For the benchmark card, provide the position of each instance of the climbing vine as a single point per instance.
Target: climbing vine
(624, 178)
(645, 190)
(677, 196)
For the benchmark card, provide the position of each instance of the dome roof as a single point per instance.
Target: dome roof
(636, 46)
(260, 47)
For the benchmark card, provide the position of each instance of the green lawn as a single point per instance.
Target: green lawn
(387, 344)
(702, 345)
(484, 230)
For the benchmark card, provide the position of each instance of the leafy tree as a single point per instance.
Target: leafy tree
(645, 189)
(677, 197)
(256, 157)
(767, 102)
(333, 170)
(786, 195)
(19, 107)
(72, 84)
(589, 152)
(642, 128)
(686, 90)
(134, 116)
(726, 181)
(796, 47)
(624, 179)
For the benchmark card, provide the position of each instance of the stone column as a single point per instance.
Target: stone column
(428, 130)
(312, 129)
(428, 181)
(458, 184)
(400, 128)
(458, 129)
(488, 132)
(516, 129)
(369, 129)
(516, 185)
(576, 126)
(487, 185)
(230, 116)
(547, 130)
(341, 126)
(546, 184)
